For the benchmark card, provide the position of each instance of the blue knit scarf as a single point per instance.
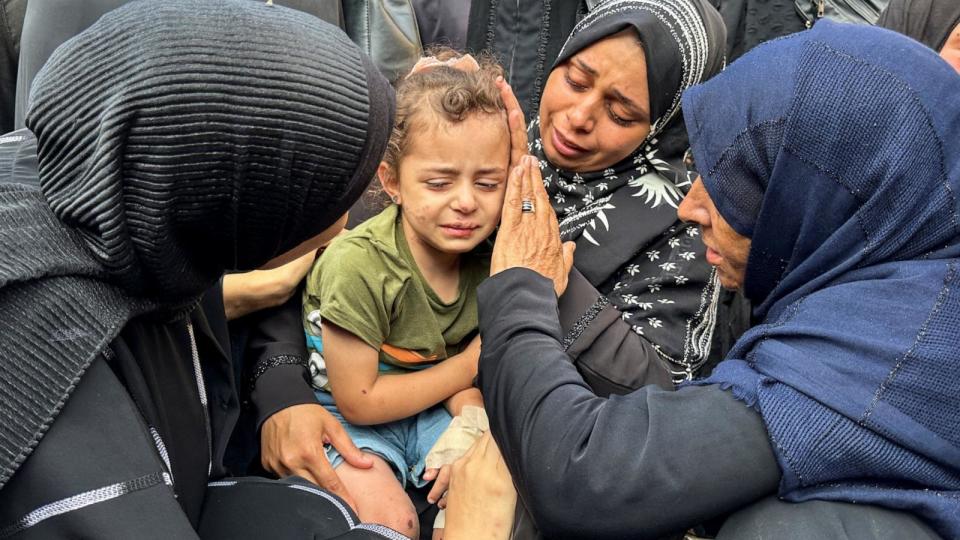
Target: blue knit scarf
(842, 164)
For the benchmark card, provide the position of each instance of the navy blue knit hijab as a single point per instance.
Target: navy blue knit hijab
(843, 166)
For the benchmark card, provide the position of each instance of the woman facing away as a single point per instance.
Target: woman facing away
(173, 142)
(828, 196)
(642, 305)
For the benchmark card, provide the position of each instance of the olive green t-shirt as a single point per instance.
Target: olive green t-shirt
(367, 283)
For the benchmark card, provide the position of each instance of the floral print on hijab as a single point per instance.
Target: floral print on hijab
(630, 243)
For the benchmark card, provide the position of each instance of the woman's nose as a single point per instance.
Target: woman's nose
(693, 208)
(581, 115)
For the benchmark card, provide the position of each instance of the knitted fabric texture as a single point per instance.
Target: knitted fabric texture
(844, 168)
(151, 119)
(177, 139)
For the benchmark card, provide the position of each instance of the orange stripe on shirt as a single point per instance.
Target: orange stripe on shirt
(406, 355)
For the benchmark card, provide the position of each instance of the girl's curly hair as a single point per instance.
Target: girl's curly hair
(442, 92)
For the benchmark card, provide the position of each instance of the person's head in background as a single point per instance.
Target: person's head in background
(951, 48)
(935, 23)
(447, 159)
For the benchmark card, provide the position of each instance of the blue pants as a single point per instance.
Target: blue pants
(403, 443)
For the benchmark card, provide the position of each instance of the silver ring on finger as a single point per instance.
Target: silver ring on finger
(526, 206)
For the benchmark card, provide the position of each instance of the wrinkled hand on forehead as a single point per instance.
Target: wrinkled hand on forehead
(466, 63)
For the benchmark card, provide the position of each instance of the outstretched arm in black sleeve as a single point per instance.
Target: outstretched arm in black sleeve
(640, 465)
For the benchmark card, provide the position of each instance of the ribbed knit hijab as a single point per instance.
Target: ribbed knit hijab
(176, 139)
(183, 138)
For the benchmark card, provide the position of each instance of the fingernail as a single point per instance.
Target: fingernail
(499, 78)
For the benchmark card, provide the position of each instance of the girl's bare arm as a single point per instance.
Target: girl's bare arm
(469, 396)
(365, 397)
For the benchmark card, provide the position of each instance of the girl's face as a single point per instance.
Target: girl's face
(595, 109)
(450, 183)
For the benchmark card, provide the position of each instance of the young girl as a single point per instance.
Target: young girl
(396, 297)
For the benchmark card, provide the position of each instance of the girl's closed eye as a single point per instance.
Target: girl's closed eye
(488, 185)
(438, 185)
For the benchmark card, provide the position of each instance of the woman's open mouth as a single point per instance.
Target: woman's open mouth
(564, 146)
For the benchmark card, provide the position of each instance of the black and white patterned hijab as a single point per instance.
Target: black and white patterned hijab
(630, 244)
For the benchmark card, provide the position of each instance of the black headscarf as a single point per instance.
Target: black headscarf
(630, 244)
(927, 21)
(177, 139)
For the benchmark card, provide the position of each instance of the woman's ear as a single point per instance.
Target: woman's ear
(389, 181)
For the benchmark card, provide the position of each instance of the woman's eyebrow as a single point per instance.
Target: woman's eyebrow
(629, 103)
(584, 66)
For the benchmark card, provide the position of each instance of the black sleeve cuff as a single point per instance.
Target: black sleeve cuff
(516, 294)
(578, 299)
(280, 387)
(610, 356)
